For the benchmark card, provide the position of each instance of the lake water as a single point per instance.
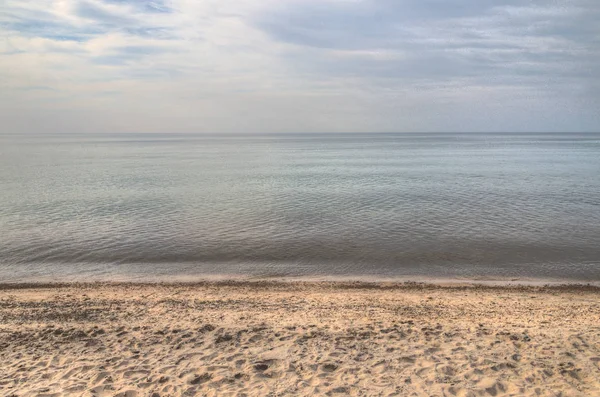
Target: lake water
(173, 206)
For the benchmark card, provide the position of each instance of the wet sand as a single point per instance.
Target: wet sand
(299, 338)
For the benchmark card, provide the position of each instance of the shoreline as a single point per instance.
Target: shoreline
(341, 282)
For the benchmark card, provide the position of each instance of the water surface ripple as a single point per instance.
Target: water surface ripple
(148, 207)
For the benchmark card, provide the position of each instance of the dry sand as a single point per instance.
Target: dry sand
(270, 338)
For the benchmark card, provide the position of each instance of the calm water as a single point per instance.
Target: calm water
(146, 207)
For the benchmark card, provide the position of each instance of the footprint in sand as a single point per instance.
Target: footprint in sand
(262, 366)
(200, 379)
(127, 393)
(329, 367)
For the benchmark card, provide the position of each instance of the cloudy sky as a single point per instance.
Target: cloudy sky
(299, 65)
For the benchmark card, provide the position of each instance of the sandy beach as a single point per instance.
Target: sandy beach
(298, 338)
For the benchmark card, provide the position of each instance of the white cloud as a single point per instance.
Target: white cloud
(327, 65)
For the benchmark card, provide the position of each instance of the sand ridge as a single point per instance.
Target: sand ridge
(268, 338)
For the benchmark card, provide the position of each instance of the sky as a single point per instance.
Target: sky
(299, 65)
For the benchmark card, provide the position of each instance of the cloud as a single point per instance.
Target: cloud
(300, 65)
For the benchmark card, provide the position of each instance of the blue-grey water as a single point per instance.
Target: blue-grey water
(165, 206)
